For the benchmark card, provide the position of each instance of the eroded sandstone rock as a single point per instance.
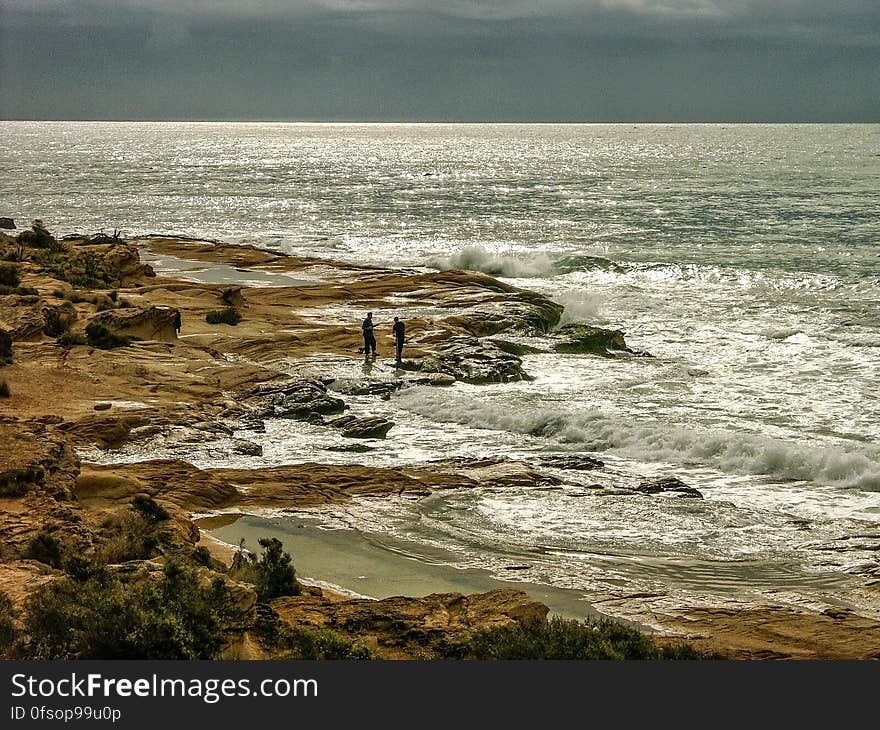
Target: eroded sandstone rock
(401, 627)
(152, 323)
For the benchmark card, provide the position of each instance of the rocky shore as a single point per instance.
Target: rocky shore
(91, 358)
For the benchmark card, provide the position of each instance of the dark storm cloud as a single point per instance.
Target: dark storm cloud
(592, 60)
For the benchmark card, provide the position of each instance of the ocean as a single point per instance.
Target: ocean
(745, 258)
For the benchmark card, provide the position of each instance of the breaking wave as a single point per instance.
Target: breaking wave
(730, 452)
(521, 266)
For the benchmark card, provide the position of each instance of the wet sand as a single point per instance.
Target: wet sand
(378, 566)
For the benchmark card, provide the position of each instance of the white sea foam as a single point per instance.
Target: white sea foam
(731, 452)
(477, 258)
(580, 306)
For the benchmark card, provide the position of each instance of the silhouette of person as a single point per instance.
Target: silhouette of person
(399, 330)
(177, 321)
(369, 337)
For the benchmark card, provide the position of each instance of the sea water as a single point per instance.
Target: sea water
(745, 258)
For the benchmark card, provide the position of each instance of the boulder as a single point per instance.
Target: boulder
(584, 339)
(660, 485)
(471, 361)
(370, 427)
(122, 263)
(246, 448)
(152, 323)
(7, 224)
(297, 399)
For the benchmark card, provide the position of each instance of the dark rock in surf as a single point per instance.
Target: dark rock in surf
(361, 387)
(350, 448)
(296, 399)
(7, 224)
(660, 485)
(471, 361)
(246, 448)
(575, 462)
(370, 427)
(585, 339)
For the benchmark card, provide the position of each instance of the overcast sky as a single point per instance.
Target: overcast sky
(455, 60)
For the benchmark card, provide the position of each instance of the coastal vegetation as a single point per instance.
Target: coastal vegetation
(97, 615)
(229, 316)
(559, 638)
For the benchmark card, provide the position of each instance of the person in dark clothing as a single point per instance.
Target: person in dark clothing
(369, 337)
(177, 321)
(399, 329)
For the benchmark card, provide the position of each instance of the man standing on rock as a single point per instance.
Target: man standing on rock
(398, 329)
(369, 337)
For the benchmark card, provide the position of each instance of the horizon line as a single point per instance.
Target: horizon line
(404, 122)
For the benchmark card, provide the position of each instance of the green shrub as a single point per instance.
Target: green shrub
(80, 269)
(132, 538)
(223, 316)
(82, 569)
(28, 294)
(39, 237)
(559, 638)
(272, 573)
(99, 336)
(149, 508)
(305, 643)
(44, 548)
(202, 556)
(104, 617)
(72, 339)
(9, 275)
(4, 390)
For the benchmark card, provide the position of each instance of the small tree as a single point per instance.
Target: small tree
(272, 573)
